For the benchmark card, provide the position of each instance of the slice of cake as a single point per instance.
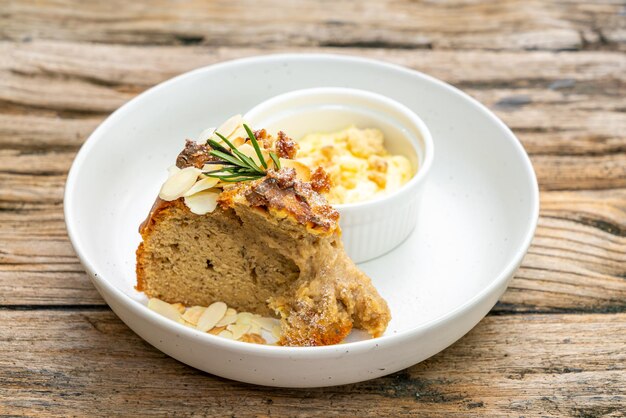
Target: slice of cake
(240, 222)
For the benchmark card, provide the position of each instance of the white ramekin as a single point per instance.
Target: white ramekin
(374, 227)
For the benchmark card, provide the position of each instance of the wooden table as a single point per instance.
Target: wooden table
(555, 72)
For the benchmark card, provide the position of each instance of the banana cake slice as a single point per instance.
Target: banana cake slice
(258, 236)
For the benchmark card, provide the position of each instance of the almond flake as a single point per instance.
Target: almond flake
(206, 134)
(217, 330)
(211, 167)
(238, 330)
(226, 334)
(239, 136)
(237, 141)
(276, 332)
(172, 170)
(229, 127)
(249, 151)
(192, 314)
(202, 184)
(179, 306)
(254, 328)
(211, 316)
(302, 171)
(181, 181)
(202, 202)
(266, 323)
(164, 308)
(231, 311)
(187, 324)
(244, 318)
(252, 338)
(227, 320)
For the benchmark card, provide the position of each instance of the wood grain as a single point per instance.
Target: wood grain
(555, 72)
(509, 25)
(566, 365)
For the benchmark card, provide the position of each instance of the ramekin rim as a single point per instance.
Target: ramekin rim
(428, 148)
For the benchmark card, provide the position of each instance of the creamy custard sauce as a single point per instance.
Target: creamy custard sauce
(359, 166)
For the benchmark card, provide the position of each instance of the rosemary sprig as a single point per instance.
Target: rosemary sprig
(236, 166)
(255, 144)
(274, 158)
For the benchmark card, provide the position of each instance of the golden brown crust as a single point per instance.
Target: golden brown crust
(282, 193)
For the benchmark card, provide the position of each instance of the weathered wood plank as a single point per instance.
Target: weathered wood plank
(511, 24)
(117, 70)
(109, 65)
(44, 133)
(17, 189)
(588, 172)
(35, 163)
(518, 365)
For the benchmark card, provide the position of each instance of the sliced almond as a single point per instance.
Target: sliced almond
(227, 320)
(181, 181)
(252, 338)
(302, 171)
(266, 323)
(192, 315)
(244, 318)
(229, 127)
(276, 332)
(211, 316)
(217, 330)
(164, 308)
(249, 151)
(202, 202)
(172, 170)
(237, 140)
(226, 334)
(254, 328)
(239, 136)
(231, 311)
(179, 306)
(202, 184)
(211, 167)
(206, 134)
(238, 330)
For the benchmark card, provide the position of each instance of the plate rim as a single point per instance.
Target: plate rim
(145, 313)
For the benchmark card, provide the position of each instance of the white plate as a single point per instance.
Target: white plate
(479, 213)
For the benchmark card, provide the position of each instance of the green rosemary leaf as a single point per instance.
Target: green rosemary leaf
(235, 178)
(249, 161)
(235, 165)
(219, 162)
(228, 157)
(239, 179)
(223, 138)
(243, 157)
(276, 160)
(255, 144)
(216, 145)
(217, 173)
